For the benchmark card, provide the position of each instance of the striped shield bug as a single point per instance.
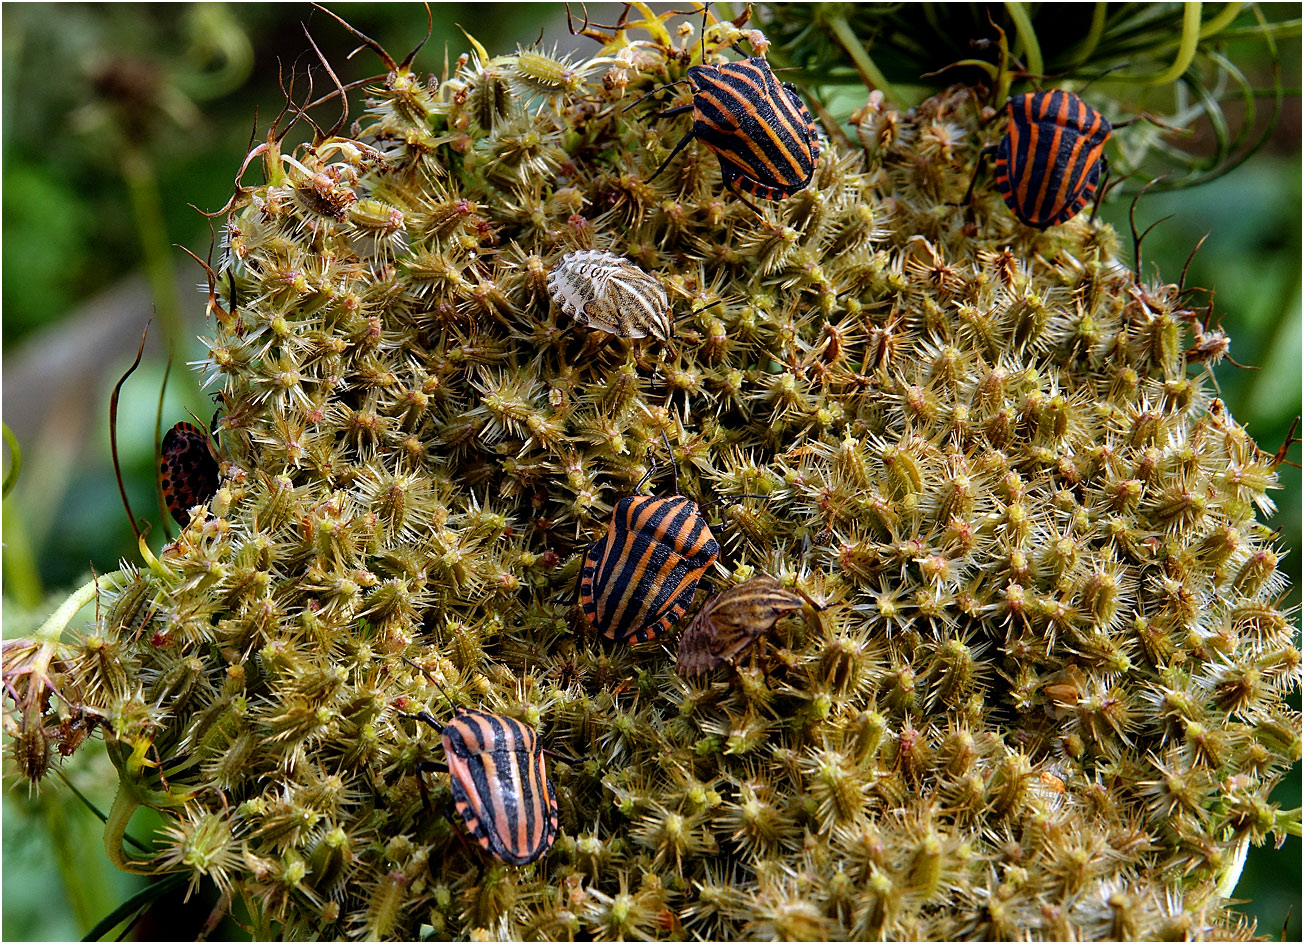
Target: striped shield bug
(731, 621)
(500, 787)
(758, 127)
(638, 580)
(187, 470)
(1050, 163)
(605, 291)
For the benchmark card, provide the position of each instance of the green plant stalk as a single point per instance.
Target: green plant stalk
(1186, 50)
(125, 804)
(95, 810)
(1220, 21)
(1027, 36)
(22, 578)
(15, 461)
(869, 72)
(51, 630)
(1092, 40)
(147, 209)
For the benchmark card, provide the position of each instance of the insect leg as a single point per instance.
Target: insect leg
(671, 112)
(683, 142)
(736, 188)
(982, 156)
(427, 766)
(1101, 186)
(425, 716)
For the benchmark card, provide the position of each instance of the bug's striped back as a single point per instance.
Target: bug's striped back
(760, 129)
(639, 579)
(500, 788)
(187, 472)
(1048, 163)
(731, 621)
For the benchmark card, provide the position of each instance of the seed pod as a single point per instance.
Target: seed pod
(187, 470)
(731, 622)
(610, 293)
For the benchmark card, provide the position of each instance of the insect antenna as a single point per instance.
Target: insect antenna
(705, 6)
(670, 456)
(1096, 78)
(425, 715)
(113, 430)
(646, 96)
(725, 498)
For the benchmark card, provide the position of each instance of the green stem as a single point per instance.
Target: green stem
(15, 459)
(125, 804)
(1219, 22)
(1185, 50)
(86, 802)
(51, 630)
(22, 578)
(1092, 40)
(1027, 36)
(869, 72)
(147, 208)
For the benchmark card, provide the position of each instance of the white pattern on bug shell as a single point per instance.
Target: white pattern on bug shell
(608, 292)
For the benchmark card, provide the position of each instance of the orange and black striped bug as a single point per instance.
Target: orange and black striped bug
(188, 472)
(639, 579)
(732, 621)
(1050, 163)
(758, 127)
(500, 787)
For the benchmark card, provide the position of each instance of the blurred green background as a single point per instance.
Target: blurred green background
(118, 117)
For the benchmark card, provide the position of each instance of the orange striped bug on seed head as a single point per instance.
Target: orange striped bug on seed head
(500, 787)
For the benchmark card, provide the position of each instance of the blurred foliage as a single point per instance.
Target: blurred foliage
(117, 117)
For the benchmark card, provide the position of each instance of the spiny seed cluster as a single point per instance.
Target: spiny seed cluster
(1045, 694)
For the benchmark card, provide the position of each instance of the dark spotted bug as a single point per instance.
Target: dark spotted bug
(639, 579)
(731, 622)
(187, 470)
(1050, 163)
(759, 128)
(500, 787)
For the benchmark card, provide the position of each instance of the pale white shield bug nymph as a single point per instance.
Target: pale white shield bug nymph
(608, 292)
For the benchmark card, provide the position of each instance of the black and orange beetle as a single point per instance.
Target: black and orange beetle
(758, 127)
(188, 472)
(1050, 163)
(500, 787)
(639, 579)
